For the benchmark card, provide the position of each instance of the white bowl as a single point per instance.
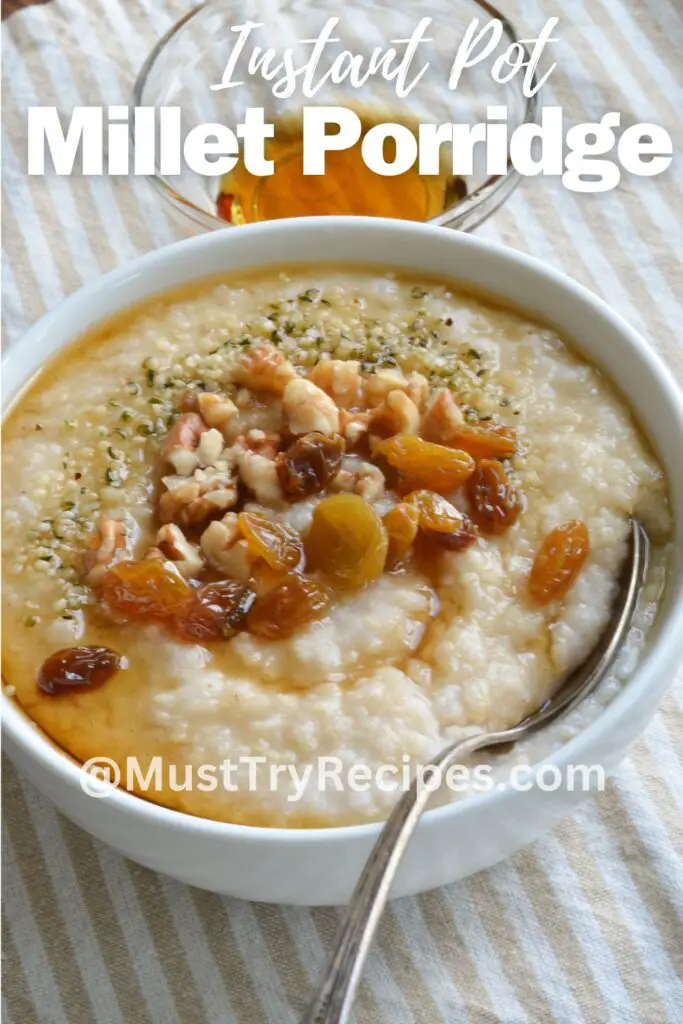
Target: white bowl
(320, 866)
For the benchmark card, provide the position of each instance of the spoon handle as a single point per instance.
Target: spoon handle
(333, 1001)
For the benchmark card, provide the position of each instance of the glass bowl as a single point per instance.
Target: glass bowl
(193, 54)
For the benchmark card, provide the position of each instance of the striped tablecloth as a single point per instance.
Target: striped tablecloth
(585, 926)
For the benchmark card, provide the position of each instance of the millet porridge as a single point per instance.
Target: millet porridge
(315, 513)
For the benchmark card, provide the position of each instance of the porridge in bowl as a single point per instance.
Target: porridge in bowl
(313, 514)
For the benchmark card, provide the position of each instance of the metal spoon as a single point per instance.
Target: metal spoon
(333, 1001)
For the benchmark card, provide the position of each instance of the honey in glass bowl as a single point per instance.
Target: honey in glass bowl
(347, 187)
(186, 70)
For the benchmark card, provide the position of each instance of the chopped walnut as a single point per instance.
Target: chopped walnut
(225, 550)
(227, 529)
(263, 442)
(183, 460)
(189, 501)
(173, 544)
(381, 382)
(209, 452)
(244, 399)
(340, 379)
(216, 410)
(308, 409)
(210, 447)
(417, 389)
(109, 544)
(352, 425)
(370, 482)
(259, 474)
(441, 418)
(154, 552)
(184, 434)
(189, 444)
(360, 478)
(397, 414)
(188, 400)
(264, 369)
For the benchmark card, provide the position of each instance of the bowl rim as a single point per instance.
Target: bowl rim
(660, 654)
(490, 195)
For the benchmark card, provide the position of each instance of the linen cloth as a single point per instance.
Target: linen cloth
(584, 926)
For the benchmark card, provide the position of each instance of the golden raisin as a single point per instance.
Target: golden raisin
(559, 561)
(401, 523)
(427, 464)
(495, 502)
(309, 464)
(215, 611)
(483, 442)
(441, 522)
(297, 601)
(278, 544)
(347, 540)
(150, 589)
(78, 668)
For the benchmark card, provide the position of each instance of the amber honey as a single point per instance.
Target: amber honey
(348, 186)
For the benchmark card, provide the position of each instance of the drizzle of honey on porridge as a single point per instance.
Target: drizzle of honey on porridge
(348, 186)
(113, 720)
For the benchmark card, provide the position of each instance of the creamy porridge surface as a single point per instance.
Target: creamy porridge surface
(179, 417)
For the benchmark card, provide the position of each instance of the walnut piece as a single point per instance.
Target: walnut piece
(173, 544)
(185, 433)
(441, 418)
(226, 550)
(308, 409)
(340, 379)
(264, 369)
(397, 414)
(109, 544)
(361, 478)
(216, 410)
(352, 425)
(259, 474)
(383, 381)
(189, 501)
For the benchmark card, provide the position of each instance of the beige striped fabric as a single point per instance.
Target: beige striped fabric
(586, 926)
